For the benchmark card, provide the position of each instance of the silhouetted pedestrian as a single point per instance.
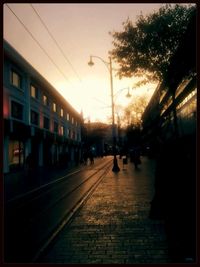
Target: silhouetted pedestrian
(85, 157)
(91, 157)
(136, 156)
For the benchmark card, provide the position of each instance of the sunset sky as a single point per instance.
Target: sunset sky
(80, 30)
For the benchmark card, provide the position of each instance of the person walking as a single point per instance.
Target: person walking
(91, 157)
(85, 157)
(136, 156)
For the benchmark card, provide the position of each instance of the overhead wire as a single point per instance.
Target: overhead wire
(60, 49)
(65, 77)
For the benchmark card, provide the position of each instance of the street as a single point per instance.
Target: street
(31, 218)
(113, 225)
(99, 133)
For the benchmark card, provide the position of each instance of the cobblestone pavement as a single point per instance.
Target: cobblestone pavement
(113, 225)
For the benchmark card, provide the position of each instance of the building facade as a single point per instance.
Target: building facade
(38, 121)
(158, 118)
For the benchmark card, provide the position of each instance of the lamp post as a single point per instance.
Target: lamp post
(109, 66)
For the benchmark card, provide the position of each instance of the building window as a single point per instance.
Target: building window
(54, 107)
(46, 123)
(34, 92)
(187, 108)
(62, 112)
(16, 110)
(45, 100)
(16, 154)
(34, 117)
(62, 130)
(68, 133)
(16, 79)
(68, 116)
(72, 120)
(73, 135)
(55, 127)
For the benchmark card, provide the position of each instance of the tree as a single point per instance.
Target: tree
(183, 62)
(131, 114)
(155, 47)
(147, 48)
(135, 110)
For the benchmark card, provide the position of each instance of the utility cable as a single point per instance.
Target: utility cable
(65, 77)
(60, 49)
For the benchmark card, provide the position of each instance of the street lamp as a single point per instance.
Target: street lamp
(128, 95)
(109, 66)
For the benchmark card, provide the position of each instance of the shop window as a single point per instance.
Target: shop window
(16, 153)
(34, 92)
(55, 127)
(46, 123)
(16, 110)
(34, 117)
(16, 79)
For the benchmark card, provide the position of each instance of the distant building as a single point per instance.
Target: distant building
(37, 119)
(98, 136)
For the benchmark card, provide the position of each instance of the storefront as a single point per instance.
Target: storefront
(16, 135)
(16, 154)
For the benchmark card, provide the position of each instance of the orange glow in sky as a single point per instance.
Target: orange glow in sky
(80, 30)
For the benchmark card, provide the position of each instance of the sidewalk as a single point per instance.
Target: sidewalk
(113, 225)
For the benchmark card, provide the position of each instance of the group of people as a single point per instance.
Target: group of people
(134, 154)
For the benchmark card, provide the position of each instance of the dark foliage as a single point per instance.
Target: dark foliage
(148, 47)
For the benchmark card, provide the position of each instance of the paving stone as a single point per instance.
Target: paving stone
(113, 226)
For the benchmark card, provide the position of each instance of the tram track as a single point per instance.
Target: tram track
(68, 217)
(37, 216)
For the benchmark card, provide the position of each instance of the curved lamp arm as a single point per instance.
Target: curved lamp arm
(128, 95)
(91, 63)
